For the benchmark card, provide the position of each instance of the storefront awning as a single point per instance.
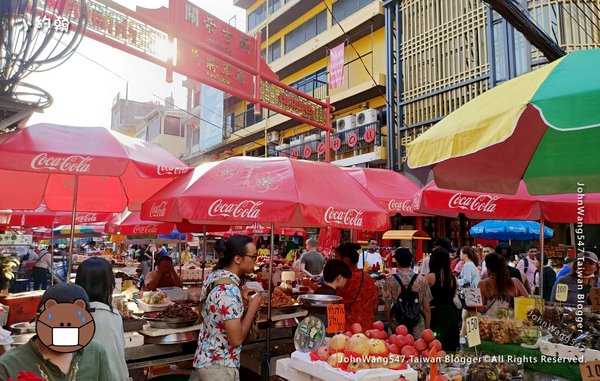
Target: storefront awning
(405, 235)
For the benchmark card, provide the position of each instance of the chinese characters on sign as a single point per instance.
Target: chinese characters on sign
(336, 318)
(288, 101)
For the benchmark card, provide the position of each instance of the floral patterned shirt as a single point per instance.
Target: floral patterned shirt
(392, 290)
(224, 302)
(360, 306)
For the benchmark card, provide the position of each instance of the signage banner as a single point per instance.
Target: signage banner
(336, 66)
(202, 67)
(277, 96)
(16, 239)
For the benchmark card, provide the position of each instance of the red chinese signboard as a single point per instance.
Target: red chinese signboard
(206, 31)
(205, 68)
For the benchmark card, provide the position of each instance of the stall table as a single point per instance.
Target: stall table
(568, 371)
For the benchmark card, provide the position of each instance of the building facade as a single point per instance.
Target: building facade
(161, 124)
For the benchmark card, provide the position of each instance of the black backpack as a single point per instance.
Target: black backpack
(406, 309)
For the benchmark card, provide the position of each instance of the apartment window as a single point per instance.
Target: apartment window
(257, 16)
(173, 126)
(311, 81)
(306, 31)
(274, 5)
(344, 8)
(228, 125)
(274, 51)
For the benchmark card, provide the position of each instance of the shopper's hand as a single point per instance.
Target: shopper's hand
(254, 302)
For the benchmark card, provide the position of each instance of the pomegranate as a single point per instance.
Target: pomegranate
(378, 325)
(356, 328)
(420, 345)
(437, 344)
(428, 335)
(401, 330)
(323, 353)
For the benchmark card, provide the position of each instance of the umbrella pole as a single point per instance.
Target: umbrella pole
(266, 371)
(204, 246)
(52, 255)
(541, 271)
(72, 235)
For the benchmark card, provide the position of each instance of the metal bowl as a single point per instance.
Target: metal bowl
(171, 323)
(315, 300)
(24, 327)
(175, 338)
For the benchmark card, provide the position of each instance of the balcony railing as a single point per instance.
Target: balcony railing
(359, 140)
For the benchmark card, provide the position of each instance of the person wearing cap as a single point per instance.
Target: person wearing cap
(89, 363)
(589, 271)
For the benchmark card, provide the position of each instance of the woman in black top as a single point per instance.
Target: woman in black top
(444, 320)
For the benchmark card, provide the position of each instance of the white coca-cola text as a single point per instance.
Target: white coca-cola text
(244, 209)
(145, 229)
(162, 170)
(350, 217)
(73, 163)
(158, 210)
(482, 203)
(90, 217)
(403, 206)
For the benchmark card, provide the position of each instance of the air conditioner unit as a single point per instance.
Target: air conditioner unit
(296, 141)
(273, 137)
(311, 138)
(345, 123)
(366, 117)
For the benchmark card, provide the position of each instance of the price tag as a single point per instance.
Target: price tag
(562, 292)
(594, 296)
(473, 337)
(336, 318)
(473, 297)
(590, 371)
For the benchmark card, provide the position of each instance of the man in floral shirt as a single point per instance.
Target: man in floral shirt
(361, 296)
(224, 325)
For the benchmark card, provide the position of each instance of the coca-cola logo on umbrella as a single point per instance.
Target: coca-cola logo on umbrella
(170, 171)
(90, 217)
(402, 206)
(245, 209)
(482, 203)
(72, 164)
(350, 217)
(145, 229)
(158, 210)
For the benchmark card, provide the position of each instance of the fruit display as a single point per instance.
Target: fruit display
(155, 297)
(530, 336)
(355, 350)
(493, 372)
(264, 262)
(278, 299)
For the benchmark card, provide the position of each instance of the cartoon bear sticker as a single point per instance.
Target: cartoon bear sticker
(65, 327)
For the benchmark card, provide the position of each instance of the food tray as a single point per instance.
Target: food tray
(566, 351)
(152, 307)
(170, 323)
(133, 339)
(174, 293)
(316, 300)
(133, 324)
(174, 338)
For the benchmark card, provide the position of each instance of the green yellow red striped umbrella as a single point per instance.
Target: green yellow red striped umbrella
(542, 127)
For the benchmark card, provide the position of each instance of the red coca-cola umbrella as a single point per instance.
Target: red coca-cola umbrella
(393, 190)
(87, 169)
(485, 206)
(130, 223)
(279, 191)
(110, 171)
(44, 217)
(560, 208)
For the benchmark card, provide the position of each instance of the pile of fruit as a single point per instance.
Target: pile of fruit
(264, 262)
(502, 331)
(562, 323)
(355, 350)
